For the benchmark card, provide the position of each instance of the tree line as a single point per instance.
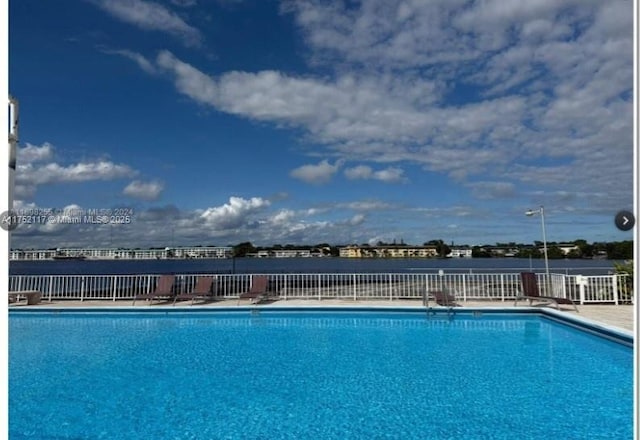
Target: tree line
(619, 250)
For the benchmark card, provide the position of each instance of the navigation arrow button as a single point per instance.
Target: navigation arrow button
(625, 220)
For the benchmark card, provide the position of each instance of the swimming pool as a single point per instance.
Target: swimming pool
(313, 374)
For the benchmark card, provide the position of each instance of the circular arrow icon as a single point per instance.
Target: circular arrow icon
(8, 220)
(625, 220)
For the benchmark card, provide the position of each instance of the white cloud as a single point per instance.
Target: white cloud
(252, 219)
(22, 206)
(393, 34)
(358, 172)
(370, 118)
(143, 190)
(367, 205)
(139, 59)
(357, 220)
(151, 16)
(364, 172)
(316, 174)
(234, 214)
(23, 191)
(79, 172)
(492, 190)
(282, 217)
(33, 153)
(391, 174)
(348, 109)
(238, 220)
(361, 118)
(34, 168)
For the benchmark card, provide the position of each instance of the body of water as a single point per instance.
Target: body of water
(308, 265)
(315, 375)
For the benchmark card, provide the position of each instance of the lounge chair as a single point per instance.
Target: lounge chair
(258, 290)
(444, 298)
(164, 288)
(202, 290)
(32, 296)
(531, 292)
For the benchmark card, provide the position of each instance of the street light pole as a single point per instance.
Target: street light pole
(544, 242)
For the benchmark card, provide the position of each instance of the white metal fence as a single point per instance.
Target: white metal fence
(466, 286)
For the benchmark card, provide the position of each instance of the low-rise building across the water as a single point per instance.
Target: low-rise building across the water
(122, 254)
(388, 251)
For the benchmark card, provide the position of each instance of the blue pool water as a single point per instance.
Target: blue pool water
(317, 375)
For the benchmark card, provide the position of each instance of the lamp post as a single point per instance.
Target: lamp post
(540, 211)
(13, 144)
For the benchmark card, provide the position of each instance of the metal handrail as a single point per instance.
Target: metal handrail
(354, 286)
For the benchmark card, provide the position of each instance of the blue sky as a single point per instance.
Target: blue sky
(304, 121)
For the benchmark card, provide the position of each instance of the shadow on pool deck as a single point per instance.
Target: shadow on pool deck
(621, 316)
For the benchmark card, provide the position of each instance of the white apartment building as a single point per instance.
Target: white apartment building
(32, 254)
(124, 254)
(460, 253)
(282, 253)
(388, 251)
(291, 253)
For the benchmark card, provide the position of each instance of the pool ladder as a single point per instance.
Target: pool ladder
(431, 311)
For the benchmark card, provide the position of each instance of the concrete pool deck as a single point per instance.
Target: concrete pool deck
(620, 316)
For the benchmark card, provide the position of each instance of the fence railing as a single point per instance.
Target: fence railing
(466, 286)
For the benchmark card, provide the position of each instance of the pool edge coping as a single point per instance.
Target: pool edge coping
(607, 331)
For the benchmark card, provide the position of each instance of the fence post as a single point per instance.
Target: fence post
(50, 287)
(286, 286)
(390, 287)
(582, 283)
(564, 286)
(355, 296)
(425, 292)
(614, 281)
(115, 286)
(464, 287)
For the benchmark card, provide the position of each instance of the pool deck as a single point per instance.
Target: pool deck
(618, 316)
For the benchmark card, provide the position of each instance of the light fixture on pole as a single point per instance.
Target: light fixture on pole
(540, 211)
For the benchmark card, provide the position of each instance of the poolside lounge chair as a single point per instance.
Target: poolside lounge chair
(164, 288)
(531, 292)
(444, 298)
(258, 290)
(32, 296)
(203, 289)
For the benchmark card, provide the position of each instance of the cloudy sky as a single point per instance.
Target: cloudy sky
(308, 121)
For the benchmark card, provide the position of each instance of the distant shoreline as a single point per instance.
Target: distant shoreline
(308, 265)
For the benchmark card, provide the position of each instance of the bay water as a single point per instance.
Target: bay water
(309, 265)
